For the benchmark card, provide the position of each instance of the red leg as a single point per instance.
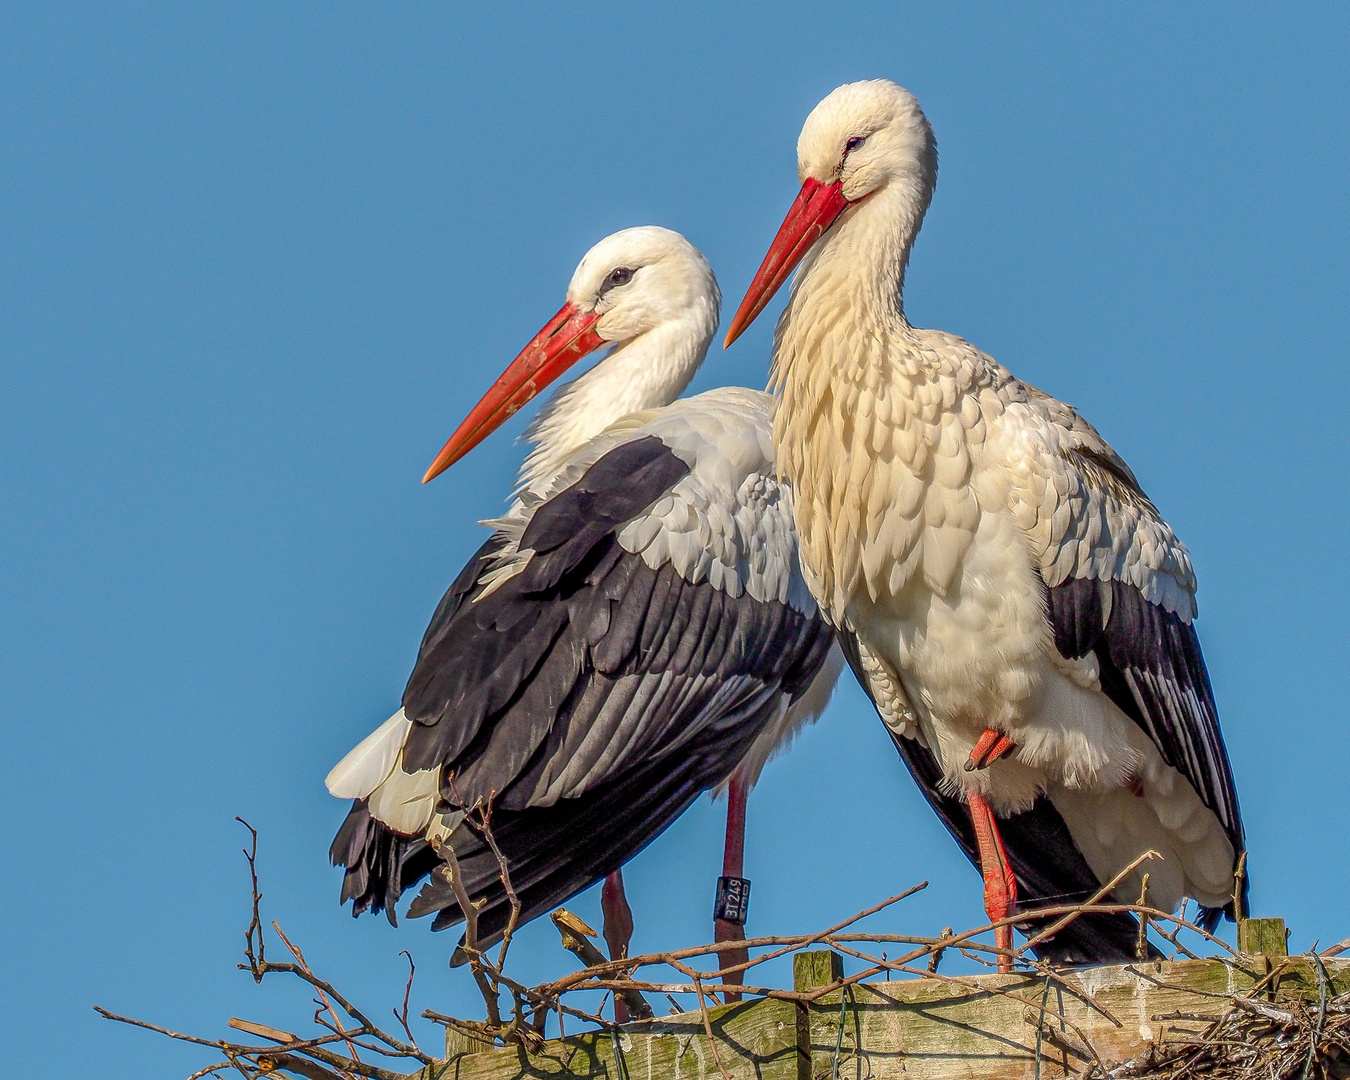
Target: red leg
(733, 865)
(992, 745)
(618, 929)
(1000, 884)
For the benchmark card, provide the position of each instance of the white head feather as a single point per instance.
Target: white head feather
(661, 316)
(873, 138)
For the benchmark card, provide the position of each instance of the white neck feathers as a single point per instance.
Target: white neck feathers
(848, 375)
(647, 372)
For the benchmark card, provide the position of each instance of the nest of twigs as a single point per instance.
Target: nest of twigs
(1291, 1041)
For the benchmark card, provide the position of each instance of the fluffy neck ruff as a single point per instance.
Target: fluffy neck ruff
(856, 387)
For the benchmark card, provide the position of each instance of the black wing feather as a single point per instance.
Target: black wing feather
(1152, 669)
(555, 852)
(510, 687)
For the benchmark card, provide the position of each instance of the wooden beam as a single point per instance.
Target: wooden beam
(999, 1027)
(459, 1042)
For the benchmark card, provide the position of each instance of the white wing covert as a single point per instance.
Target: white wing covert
(1086, 515)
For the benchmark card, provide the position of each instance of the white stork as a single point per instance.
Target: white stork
(635, 629)
(1014, 603)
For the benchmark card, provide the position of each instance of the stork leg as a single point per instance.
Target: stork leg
(733, 866)
(1000, 884)
(618, 930)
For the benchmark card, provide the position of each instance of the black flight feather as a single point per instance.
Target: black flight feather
(1152, 669)
(586, 651)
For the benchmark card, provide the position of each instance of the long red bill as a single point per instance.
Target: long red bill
(564, 340)
(813, 212)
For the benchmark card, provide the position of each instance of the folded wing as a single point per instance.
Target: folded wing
(611, 653)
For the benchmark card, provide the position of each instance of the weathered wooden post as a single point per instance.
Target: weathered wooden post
(816, 968)
(1263, 937)
(810, 970)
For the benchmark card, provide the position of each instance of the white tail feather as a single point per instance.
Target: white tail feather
(371, 761)
(405, 801)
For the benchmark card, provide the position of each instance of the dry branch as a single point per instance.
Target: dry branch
(1318, 1037)
(576, 937)
(309, 1058)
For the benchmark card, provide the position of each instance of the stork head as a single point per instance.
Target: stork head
(864, 139)
(631, 283)
(865, 136)
(639, 279)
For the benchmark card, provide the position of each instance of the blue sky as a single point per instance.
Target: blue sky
(256, 262)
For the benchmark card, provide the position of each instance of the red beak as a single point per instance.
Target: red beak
(564, 340)
(814, 211)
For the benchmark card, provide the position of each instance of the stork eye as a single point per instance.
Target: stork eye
(621, 275)
(853, 144)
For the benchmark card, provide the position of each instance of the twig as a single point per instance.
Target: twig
(1045, 1030)
(592, 978)
(616, 985)
(1239, 875)
(575, 939)
(305, 968)
(1105, 890)
(452, 870)
(1141, 943)
(402, 1018)
(1078, 994)
(155, 1027)
(935, 958)
(312, 1047)
(504, 874)
(478, 1029)
(792, 943)
(814, 939)
(708, 1031)
(258, 966)
(256, 961)
(210, 1070)
(534, 996)
(1172, 936)
(490, 976)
